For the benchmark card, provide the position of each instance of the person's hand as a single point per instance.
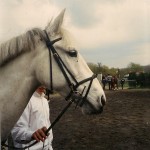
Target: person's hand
(40, 135)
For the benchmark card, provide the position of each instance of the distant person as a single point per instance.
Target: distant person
(109, 77)
(115, 82)
(122, 81)
(33, 123)
(104, 81)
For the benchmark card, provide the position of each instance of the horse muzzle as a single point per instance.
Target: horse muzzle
(89, 108)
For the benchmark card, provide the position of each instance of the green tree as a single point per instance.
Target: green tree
(133, 67)
(93, 67)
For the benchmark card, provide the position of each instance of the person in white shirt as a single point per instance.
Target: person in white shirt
(33, 123)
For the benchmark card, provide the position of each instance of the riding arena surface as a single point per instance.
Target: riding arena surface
(123, 125)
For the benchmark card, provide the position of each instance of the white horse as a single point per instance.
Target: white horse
(24, 65)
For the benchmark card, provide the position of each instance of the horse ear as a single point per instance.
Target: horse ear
(56, 25)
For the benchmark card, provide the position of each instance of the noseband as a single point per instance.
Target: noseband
(74, 94)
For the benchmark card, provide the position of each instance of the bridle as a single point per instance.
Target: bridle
(73, 96)
(74, 93)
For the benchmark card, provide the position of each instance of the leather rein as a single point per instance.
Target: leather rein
(73, 96)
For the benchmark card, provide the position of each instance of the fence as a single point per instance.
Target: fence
(128, 84)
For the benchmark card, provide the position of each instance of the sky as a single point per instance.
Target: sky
(111, 32)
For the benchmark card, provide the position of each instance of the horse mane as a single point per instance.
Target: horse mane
(19, 44)
(26, 42)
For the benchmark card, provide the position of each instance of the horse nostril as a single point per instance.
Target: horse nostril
(103, 100)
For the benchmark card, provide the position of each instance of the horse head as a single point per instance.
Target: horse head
(74, 62)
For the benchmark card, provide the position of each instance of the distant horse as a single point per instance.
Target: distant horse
(25, 64)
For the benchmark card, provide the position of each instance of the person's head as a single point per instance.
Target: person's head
(40, 90)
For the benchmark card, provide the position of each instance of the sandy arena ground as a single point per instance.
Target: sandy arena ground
(124, 124)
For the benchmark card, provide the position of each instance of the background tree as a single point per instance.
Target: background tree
(93, 67)
(133, 67)
(99, 68)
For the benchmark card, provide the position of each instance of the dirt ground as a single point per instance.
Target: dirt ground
(124, 124)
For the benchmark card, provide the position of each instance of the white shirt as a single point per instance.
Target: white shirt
(35, 116)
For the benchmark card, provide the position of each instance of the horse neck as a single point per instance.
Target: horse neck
(17, 80)
(17, 85)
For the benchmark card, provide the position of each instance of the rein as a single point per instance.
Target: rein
(73, 96)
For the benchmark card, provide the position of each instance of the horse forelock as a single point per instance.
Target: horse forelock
(68, 39)
(19, 44)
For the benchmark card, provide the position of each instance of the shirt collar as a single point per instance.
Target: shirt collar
(38, 95)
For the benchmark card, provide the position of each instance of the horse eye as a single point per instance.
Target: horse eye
(73, 53)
